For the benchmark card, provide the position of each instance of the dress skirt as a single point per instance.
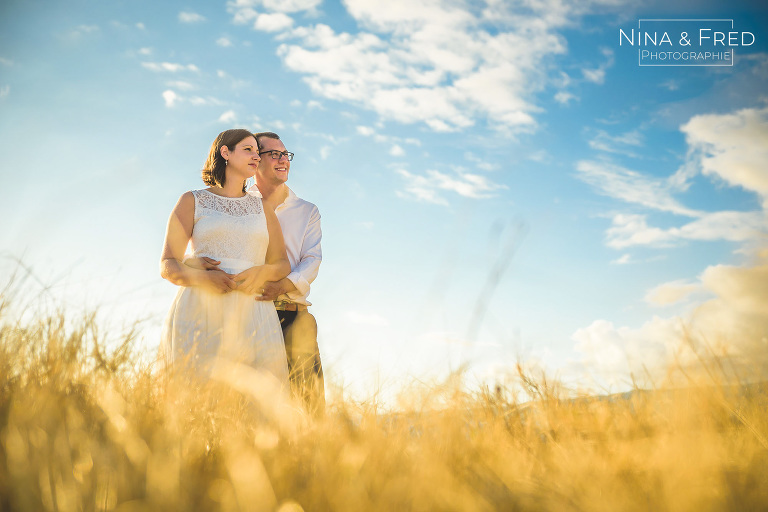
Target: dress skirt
(203, 326)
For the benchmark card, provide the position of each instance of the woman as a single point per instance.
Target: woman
(215, 314)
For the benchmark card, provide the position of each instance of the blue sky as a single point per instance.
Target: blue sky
(498, 180)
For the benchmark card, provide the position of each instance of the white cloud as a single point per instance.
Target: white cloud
(314, 104)
(446, 65)
(733, 147)
(228, 117)
(733, 323)
(563, 97)
(5, 91)
(224, 42)
(396, 150)
(632, 229)
(594, 75)
(427, 187)
(170, 67)
(325, 152)
(366, 131)
(145, 51)
(631, 186)
(275, 22)
(6, 62)
(140, 26)
(671, 293)
(190, 17)
(170, 98)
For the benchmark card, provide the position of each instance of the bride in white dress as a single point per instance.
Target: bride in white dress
(215, 316)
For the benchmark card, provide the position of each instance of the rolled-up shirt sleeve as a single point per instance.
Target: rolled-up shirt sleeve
(311, 256)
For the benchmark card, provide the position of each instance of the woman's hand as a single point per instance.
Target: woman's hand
(251, 281)
(218, 281)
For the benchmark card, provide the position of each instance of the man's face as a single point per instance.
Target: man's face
(272, 170)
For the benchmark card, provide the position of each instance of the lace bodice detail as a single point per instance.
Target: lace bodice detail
(229, 228)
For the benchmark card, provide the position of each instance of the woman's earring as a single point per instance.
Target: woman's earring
(227, 162)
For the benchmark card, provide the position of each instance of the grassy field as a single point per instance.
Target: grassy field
(85, 427)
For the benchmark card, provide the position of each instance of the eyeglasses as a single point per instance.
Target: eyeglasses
(277, 155)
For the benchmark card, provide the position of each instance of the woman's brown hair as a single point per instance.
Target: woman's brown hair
(213, 171)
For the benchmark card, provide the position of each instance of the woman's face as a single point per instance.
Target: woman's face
(243, 159)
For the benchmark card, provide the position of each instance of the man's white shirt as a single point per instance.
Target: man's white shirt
(300, 222)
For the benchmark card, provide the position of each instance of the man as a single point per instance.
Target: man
(300, 221)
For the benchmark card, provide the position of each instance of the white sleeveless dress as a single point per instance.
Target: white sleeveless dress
(202, 326)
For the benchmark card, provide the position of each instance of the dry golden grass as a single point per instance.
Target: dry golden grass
(83, 427)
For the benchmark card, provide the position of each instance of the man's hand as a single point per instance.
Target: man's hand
(203, 263)
(272, 290)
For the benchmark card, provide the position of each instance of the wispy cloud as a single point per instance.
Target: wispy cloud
(620, 143)
(6, 62)
(83, 30)
(181, 85)
(235, 83)
(597, 75)
(428, 187)
(624, 259)
(670, 85)
(224, 42)
(5, 91)
(731, 147)
(170, 67)
(633, 187)
(191, 17)
(172, 99)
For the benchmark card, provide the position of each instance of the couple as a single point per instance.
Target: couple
(254, 255)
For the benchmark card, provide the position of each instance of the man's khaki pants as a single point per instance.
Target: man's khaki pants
(304, 365)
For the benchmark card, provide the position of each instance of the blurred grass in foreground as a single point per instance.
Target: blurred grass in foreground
(83, 427)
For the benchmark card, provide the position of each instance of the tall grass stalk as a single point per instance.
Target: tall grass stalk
(84, 425)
